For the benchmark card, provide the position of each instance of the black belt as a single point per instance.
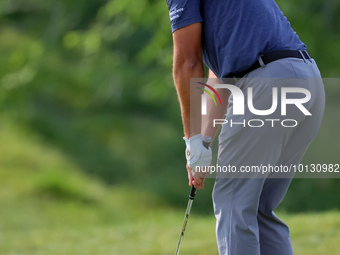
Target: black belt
(270, 57)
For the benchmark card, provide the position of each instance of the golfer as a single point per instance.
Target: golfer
(245, 40)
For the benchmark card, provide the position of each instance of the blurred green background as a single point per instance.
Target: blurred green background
(91, 151)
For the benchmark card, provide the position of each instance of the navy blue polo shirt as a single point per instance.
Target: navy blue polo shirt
(235, 32)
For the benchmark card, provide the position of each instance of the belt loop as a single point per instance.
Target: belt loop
(303, 56)
(310, 58)
(260, 60)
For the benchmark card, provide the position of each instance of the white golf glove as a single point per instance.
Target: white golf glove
(197, 155)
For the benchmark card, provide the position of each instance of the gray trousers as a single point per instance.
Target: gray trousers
(244, 207)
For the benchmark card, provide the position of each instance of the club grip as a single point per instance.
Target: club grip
(206, 143)
(192, 193)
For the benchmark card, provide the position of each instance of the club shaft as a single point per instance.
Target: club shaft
(206, 143)
(187, 212)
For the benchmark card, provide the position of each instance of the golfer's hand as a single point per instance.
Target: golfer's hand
(196, 178)
(197, 155)
(197, 182)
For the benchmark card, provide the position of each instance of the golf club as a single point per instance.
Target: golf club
(206, 142)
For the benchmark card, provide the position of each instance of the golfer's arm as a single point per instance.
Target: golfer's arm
(214, 112)
(188, 64)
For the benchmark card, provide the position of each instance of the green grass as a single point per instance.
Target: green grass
(49, 206)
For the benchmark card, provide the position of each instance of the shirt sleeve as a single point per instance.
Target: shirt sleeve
(184, 12)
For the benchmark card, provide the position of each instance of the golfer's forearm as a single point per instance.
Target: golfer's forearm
(214, 112)
(190, 102)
